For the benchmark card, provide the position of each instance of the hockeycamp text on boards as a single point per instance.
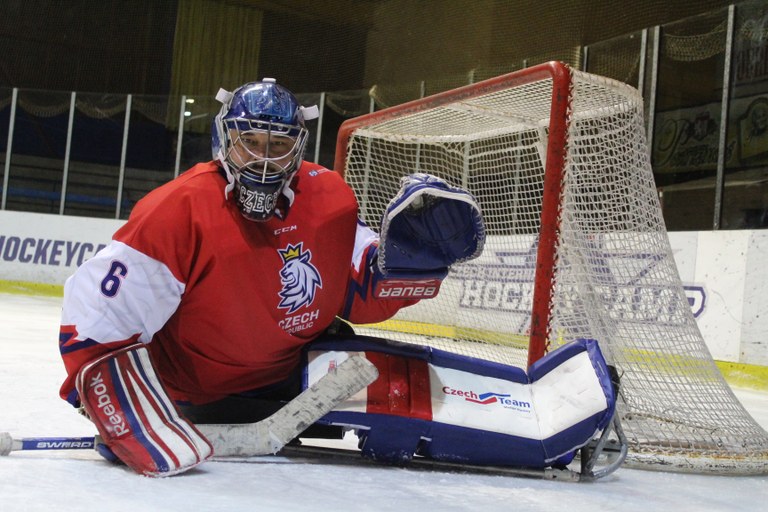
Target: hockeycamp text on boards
(46, 251)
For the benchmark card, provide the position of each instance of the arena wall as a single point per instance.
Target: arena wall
(723, 273)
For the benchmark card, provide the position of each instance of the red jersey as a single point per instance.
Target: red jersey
(225, 304)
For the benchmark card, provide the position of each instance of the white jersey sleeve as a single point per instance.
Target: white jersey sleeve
(364, 238)
(120, 293)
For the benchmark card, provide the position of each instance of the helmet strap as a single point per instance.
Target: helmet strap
(288, 192)
(230, 186)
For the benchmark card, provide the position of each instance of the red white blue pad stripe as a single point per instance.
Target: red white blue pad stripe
(135, 417)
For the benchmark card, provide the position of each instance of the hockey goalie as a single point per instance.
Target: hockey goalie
(212, 306)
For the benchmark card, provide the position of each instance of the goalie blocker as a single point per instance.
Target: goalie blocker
(458, 409)
(427, 227)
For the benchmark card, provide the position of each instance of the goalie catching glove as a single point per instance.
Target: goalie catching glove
(136, 419)
(427, 227)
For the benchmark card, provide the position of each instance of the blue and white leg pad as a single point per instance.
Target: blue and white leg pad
(449, 407)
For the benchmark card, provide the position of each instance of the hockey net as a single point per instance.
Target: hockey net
(576, 248)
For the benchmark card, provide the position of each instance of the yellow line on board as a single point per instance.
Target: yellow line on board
(737, 374)
(26, 288)
(452, 332)
(744, 375)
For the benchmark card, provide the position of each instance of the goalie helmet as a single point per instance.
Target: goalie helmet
(259, 138)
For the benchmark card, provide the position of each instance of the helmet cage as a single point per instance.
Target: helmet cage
(277, 159)
(261, 176)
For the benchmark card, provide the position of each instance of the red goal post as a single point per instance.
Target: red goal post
(576, 248)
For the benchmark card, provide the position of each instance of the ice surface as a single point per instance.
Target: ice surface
(30, 375)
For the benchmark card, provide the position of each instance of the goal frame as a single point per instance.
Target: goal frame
(554, 167)
(558, 160)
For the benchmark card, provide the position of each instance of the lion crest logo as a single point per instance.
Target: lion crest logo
(299, 277)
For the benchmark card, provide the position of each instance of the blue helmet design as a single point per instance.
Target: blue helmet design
(259, 138)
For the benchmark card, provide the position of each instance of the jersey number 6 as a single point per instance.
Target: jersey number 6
(111, 283)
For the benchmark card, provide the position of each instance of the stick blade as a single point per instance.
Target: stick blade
(6, 443)
(269, 435)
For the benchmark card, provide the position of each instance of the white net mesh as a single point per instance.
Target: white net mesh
(615, 277)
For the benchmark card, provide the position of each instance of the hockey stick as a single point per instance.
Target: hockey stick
(268, 436)
(263, 437)
(9, 444)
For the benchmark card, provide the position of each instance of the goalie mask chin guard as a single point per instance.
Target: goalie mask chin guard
(257, 191)
(259, 138)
